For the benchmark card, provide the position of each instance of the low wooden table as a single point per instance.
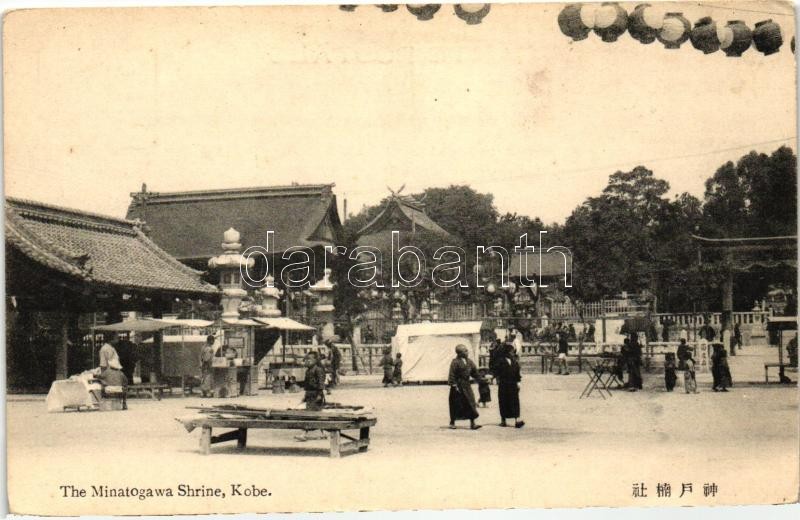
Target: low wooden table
(239, 425)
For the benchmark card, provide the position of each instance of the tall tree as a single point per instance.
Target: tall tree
(756, 196)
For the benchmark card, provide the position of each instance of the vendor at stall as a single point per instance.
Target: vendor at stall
(108, 355)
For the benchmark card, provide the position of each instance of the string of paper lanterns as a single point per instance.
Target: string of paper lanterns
(647, 23)
(472, 14)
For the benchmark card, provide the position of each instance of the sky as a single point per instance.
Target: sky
(98, 102)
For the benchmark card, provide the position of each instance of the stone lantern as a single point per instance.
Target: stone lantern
(323, 291)
(425, 311)
(230, 264)
(270, 297)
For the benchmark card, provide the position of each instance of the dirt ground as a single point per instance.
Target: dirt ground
(572, 452)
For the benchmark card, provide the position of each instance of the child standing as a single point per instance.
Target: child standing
(484, 392)
(669, 371)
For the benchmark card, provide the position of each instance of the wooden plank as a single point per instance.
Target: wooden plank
(219, 422)
(281, 414)
(357, 446)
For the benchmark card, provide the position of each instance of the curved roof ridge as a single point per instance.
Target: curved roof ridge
(41, 249)
(69, 216)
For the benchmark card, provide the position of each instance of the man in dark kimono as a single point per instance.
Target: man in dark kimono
(494, 351)
(635, 364)
(462, 399)
(206, 364)
(314, 382)
(508, 379)
(621, 363)
(388, 367)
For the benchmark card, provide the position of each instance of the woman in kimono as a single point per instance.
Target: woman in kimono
(508, 378)
(719, 369)
(462, 399)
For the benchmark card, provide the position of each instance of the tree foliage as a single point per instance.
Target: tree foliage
(634, 236)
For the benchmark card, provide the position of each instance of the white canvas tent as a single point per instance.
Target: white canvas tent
(428, 348)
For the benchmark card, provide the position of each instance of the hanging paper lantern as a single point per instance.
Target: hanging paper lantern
(423, 12)
(767, 37)
(588, 14)
(348, 7)
(610, 21)
(704, 35)
(734, 38)
(674, 31)
(472, 13)
(644, 23)
(571, 24)
(388, 8)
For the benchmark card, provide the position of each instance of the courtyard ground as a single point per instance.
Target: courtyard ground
(572, 452)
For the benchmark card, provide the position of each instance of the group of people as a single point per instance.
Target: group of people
(504, 368)
(630, 360)
(392, 368)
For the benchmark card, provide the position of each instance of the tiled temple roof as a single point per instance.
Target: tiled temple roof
(96, 249)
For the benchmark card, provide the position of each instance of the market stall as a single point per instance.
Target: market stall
(182, 345)
(283, 358)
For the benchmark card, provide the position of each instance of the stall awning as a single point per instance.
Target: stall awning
(283, 324)
(194, 324)
(240, 322)
(137, 325)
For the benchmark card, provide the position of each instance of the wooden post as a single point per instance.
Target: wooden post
(241, 442)
(63, 345)
(158, 340)
(205, 440)
(364, 438)
(727, 307)
(335, 453)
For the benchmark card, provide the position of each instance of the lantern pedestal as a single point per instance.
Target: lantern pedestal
(323, 290)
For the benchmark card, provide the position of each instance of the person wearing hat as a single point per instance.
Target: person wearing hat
(206, 363)
(462, 399)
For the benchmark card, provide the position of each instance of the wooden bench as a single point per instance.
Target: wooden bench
(238, 431)
(780, 366)
(154, 390)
